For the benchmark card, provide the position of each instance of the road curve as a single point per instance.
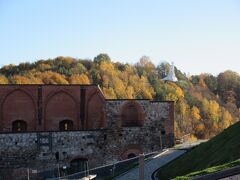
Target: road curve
(152, 165)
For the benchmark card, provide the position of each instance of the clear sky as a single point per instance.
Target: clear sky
(198, 35)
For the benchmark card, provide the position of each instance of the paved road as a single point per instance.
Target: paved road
(152, 165)
(236, 177)
(189, 145)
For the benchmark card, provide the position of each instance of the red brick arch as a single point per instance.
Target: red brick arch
(131, 149)
(18, 104)
(61, 106)
(132, 114)
(96, 112)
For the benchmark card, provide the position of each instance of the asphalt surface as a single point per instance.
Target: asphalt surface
(152, 165)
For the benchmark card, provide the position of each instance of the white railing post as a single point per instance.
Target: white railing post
(59, 176)
(28, 174)
(141, 166)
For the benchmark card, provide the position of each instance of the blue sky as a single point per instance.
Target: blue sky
(198, 35)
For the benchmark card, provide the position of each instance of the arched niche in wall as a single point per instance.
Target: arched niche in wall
(66, 125)
(96, 112)
(19, 126)
(78, 165)
(132, 114)
(18, 105)
(59, 107)
(131, 151)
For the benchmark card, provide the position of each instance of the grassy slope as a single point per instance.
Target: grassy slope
(209, 170)
(223, 148)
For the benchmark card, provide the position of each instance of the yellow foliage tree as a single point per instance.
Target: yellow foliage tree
(171, 97)
(212, 109)
(130, 92)
(3, 80)
(107, 68)
(195, 113)
(50, 77)
(200, 130)
(145, 89)
(174, 92)
(227, 119)
(44, 67)
(119, 87)
(179, 92)
(200, 127)
(17, 79)
(109, 93)
(79, 79)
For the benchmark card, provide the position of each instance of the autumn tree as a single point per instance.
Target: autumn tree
(196, 117)
(50, 77)
(195, 113)
(79, 68)
(101, 58)
(211, 82)
(228, 83)
(9, 70)
(79, 79)
(200, 131)
(109, 93)
(63, 65)
(43, 67)
(17, 79)
(174, 92)
(163, 69)
(95, 76)
(145, 65)
(204, 104)
(227, 119)
(3, 80)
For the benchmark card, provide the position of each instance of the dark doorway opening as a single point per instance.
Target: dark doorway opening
(57, 155)
(66, 125)
(131, 155)
(19, 126)
(78, 165)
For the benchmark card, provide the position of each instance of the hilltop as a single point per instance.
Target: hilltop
(222, 149)
(204, 104)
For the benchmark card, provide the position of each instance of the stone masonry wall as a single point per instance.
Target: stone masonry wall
(45, 150)
(157, 116)
(105, 131)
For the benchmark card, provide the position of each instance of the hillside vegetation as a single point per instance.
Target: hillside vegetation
(210, 170)
(223, 148)
(204, 104)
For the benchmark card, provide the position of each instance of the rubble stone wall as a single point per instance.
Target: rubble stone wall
(99, 134)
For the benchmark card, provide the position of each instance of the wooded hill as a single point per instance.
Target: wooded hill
(204, 104)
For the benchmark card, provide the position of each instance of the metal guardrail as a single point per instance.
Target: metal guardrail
(110, 170)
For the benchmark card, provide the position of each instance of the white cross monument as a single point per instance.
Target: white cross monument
(171, 75)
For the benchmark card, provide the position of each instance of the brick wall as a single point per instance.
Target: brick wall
(18, 103)
(42, 107)
(99, 134)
